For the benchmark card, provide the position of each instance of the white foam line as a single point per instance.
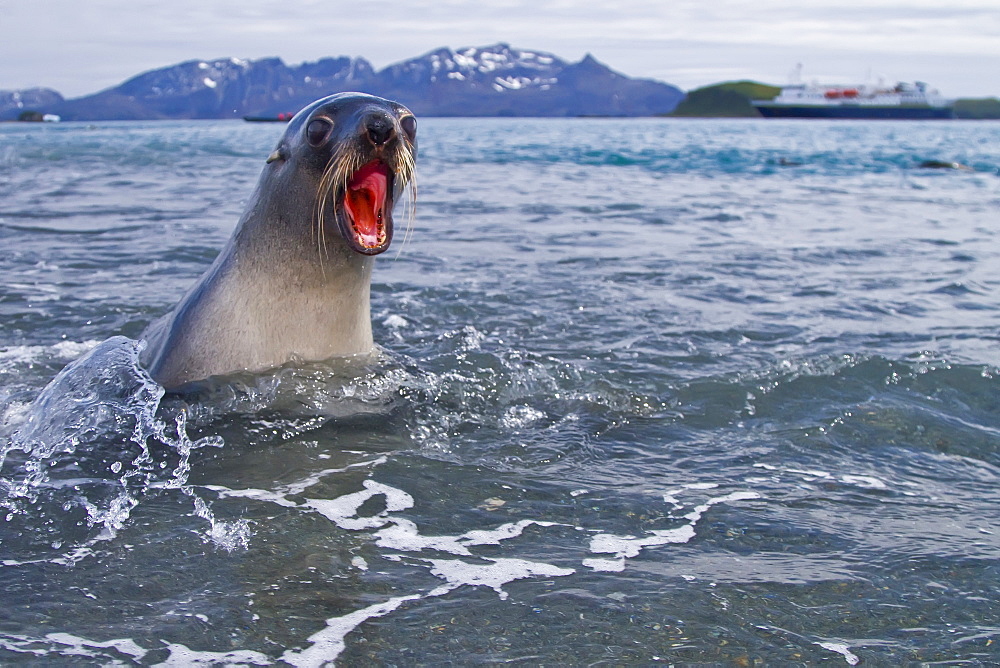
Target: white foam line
(20, 644)
(341, 511)
(863, 481)
(126, 646)
(404, 535)
(866, 481)
(255, 494)
(502, 532)
(627, 547)
(309, 481)
(280, 495)
(810, 473)
(396, 533)
(66, 644)
(328, 643)
(493, 575)
(670, 496)
(181, 656)
(14, 562)
(842, 649)
(696, 514)
(69, 559)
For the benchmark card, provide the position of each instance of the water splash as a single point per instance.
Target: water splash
(98, 439)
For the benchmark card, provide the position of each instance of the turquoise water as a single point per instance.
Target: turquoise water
(651, 391)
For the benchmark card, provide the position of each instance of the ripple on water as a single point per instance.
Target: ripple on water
(646, 396)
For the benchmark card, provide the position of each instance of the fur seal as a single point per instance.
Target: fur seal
(293, 282)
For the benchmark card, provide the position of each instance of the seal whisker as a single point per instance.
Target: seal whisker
(334, 178)
(406, 173)
(322, 195)
(410, 213)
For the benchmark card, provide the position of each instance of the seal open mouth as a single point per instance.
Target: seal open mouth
(366, 221)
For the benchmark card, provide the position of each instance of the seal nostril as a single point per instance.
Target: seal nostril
(380, 129)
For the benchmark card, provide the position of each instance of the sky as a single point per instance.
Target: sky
(79, 47)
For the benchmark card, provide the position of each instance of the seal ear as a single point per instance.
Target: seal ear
(277, 154)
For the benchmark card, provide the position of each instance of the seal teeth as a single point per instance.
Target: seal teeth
(365, 203)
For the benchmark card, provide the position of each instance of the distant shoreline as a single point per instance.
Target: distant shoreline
(472, 82)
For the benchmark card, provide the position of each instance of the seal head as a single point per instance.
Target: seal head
(361, 152)
(293, 281)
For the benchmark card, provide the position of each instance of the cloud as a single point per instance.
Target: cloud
(80, 47)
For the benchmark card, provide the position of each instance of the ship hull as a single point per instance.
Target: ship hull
(854, 111)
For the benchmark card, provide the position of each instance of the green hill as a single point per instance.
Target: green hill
(730, 99)
(978, 109)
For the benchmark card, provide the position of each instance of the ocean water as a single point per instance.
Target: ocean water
(651, 391)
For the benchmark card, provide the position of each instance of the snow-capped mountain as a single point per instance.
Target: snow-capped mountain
(499, 67)
(496, 80)
(500, 80)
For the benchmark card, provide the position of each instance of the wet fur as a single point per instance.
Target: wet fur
(287, 286)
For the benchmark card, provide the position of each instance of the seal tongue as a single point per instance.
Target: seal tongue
(364, 202)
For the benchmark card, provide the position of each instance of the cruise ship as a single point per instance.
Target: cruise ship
(902, 101)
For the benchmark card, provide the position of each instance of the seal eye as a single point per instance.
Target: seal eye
(409, 125)
(318, 130)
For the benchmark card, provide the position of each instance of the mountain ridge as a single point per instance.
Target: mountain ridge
(496, 80)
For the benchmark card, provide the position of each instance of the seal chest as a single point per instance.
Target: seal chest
(293, 282)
